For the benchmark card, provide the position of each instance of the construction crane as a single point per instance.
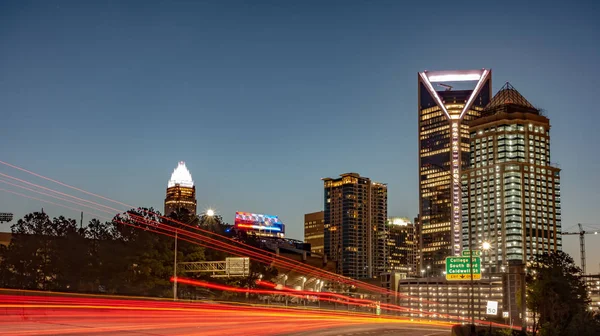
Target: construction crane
(448, 87)
(581, 234)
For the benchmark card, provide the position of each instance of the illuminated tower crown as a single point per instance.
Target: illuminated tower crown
(181, 193)
(181, 176)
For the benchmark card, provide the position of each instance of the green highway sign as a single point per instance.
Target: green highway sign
(476, 253)
(459, 268)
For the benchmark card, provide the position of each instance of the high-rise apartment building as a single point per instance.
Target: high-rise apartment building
(444, 117)
(511, 190)
(355, 221)
(378, 216)
(314, 231)
(417, 245)
(401, 246)
(181, 193)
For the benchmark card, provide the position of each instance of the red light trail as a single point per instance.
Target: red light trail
(167, 230)
(244, 250)
(40, 313)
(204, 239)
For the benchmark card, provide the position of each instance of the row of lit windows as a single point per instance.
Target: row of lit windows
(512, 128)
(480, 149)
(445, 127)
(510, 217)
(426, 116)
(515, 191)
(444, 177)
(313, 226)
(430, 110)
(540, 171)
(439, 151)
(437, 174)
(180, 202)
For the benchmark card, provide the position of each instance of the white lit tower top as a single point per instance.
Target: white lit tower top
(181, 176)
(181, 193)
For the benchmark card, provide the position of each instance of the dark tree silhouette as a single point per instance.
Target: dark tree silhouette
(557, 297)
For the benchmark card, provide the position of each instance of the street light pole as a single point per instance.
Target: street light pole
(472, 284)
(209, 213)
(175, 269)
(484, 246)
(523, 301)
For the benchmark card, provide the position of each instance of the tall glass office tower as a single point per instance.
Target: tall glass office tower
(444, 115)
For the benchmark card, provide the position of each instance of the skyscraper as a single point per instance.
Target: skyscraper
(512, 191)
(444, 118)
(181, 193)
(314, 231)
(355, 221)
(401, 246)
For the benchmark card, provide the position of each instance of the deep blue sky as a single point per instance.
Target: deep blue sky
(264, 99)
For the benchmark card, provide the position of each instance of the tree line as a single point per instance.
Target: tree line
(57, 254)
(557, 297)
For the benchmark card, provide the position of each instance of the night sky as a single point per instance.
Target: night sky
(263, 99)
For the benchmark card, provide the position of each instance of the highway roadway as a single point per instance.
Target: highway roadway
(88, 315)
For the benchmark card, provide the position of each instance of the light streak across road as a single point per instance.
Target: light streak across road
(204, 237)
(197, 236)
(33, 314)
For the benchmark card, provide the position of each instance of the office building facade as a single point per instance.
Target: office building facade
(512, 191)
(181, 193)
(418, 244)
(314, 231)
(401, 246)
(592, 283)
(355, 214)
(444, 118)
(440, 299)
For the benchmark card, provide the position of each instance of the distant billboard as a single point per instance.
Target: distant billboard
(260, 222)
(5, 217)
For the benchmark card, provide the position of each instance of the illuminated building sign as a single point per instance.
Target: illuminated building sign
(260, 222)
(456, 189)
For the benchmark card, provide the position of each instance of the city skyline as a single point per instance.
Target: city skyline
(248, 126)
